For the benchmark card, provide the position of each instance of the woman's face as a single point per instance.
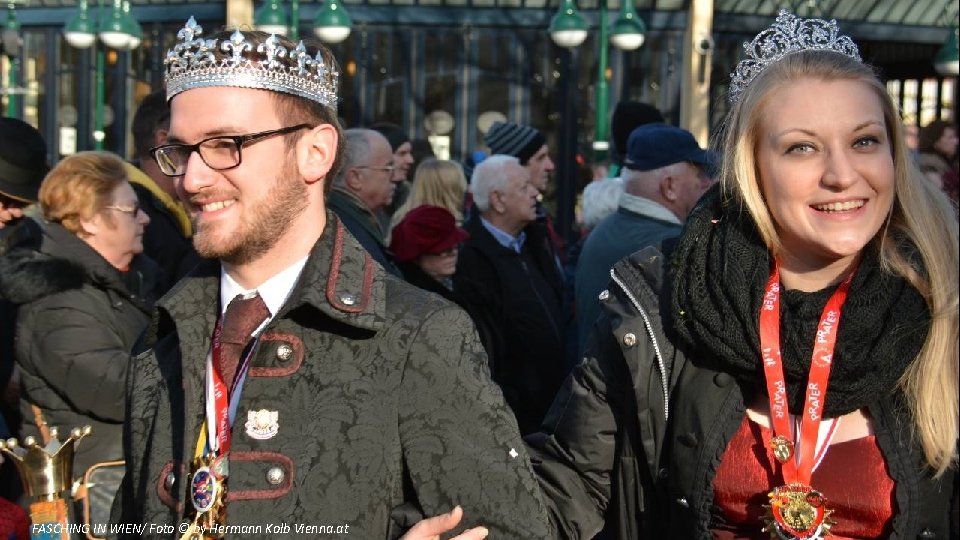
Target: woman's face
(947, 143)
(826, 168)
(117, 230)
(439, 265)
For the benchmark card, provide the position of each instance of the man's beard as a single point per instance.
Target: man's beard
(262, 225)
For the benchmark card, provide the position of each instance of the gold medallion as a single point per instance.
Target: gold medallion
(797, 512)
(782, 448)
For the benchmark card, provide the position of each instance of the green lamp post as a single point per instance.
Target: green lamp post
(628, 34)
(117, 30)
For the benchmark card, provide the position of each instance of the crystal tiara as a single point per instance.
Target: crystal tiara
(192, 63)
(788, 34)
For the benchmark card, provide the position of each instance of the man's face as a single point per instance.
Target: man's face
(375, 185)
(540, 166)
(518, 198)
(402, 160)
(240, 213)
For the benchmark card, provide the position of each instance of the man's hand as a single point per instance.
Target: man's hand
(431, 528)
(8, 213)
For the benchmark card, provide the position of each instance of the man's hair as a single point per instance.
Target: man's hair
(356, 151)
(80, 186)
(153, 114)
(931, 133)
(490, 175)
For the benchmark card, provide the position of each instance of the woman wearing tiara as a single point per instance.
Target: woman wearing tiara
(788, 367)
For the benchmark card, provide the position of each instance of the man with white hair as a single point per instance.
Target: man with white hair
(664, 174)
(509, 278)
(365, 187)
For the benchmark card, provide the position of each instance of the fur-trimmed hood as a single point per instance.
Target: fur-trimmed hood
(65, 262)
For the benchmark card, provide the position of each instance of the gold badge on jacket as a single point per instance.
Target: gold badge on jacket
(262, 425)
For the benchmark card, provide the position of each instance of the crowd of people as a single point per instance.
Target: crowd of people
(268, 318)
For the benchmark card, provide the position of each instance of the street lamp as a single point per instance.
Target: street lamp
(10, 45)
(272, 19)
(116, 30)
(568, 29)
(947, 60)
(332, 24)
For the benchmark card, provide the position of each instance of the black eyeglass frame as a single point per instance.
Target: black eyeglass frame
(239, 141)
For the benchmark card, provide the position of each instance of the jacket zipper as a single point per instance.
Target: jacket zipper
(653, 339)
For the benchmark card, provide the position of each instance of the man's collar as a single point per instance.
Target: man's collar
(647, 207)
(505, 239)
(274, 291)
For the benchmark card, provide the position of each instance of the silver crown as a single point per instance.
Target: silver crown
(192, 63)
(788, 34)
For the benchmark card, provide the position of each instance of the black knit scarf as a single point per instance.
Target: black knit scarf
(716, 282)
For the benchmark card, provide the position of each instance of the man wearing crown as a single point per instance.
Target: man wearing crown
(289, 379)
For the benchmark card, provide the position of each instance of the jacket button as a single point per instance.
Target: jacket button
(629, 339)
(662, 474)
(722, 380)
(682, 501)
(604, 294)
(275, 476)
(284, 353)
(170, 480)
(348, 299)
(926, 534)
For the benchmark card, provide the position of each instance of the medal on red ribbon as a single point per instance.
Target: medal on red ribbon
(796, 510)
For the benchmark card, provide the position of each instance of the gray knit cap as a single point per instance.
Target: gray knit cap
(516, 140)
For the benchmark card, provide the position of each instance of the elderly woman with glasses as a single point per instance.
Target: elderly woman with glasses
(84, 298)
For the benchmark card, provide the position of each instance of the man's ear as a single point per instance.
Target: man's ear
(668, 187)
(316, 152)
(353, 181)
(160, 136)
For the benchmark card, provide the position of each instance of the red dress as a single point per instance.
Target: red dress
(853, 478)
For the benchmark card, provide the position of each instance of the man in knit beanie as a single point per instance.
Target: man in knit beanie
(525, 143)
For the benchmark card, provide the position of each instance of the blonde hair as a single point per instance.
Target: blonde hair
(920, 215)
(437, 182)
(80, 186)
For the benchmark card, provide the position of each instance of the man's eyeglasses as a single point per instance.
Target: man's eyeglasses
(132, 211)
(385, 168)
(219, 153)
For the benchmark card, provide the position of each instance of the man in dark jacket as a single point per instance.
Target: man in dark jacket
(358, 401)
(363, 189)
(664, 174)
(508, 276)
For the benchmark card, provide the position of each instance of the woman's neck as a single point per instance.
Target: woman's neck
(807, 276)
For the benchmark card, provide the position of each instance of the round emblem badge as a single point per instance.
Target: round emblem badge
(203, 489)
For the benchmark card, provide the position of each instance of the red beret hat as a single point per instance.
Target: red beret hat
(425, 230)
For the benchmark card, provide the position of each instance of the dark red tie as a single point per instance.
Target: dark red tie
(242, 317)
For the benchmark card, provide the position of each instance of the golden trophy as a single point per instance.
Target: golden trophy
(47, 472)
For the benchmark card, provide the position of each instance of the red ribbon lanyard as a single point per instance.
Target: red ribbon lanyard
(801, 469)
(220, 394)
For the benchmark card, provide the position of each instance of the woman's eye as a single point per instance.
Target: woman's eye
(799, 148)
(869, 140)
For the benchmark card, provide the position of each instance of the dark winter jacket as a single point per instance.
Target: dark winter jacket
(384, 409)
(363, 225)
(78, 320)
(519, 297)
(608, 451)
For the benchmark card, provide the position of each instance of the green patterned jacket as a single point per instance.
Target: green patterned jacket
(384, 407)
